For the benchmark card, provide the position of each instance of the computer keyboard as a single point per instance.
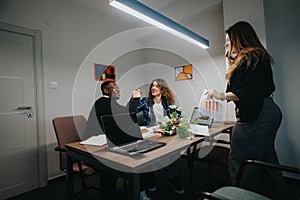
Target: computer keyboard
(140, 146)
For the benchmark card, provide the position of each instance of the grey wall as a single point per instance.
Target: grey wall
(251, 11)
(152, 56)
(282, 36)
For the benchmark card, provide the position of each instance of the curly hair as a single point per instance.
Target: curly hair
(166, 91)
(245, 42)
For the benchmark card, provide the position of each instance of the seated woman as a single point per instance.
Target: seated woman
(154, 108)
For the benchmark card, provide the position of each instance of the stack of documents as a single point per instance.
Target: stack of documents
(199, 129)
(98, 140)
(148, 131)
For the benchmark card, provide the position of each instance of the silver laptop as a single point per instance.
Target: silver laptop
(124, 136)
(201, 119)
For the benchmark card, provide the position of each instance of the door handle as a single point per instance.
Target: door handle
(24, 107)
(26, 110)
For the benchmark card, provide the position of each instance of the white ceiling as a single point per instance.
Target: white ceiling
(179, 10)
(189, 14)
(185, 12)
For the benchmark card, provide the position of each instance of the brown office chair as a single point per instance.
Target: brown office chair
(68, 129)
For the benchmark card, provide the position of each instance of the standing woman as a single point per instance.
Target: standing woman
(251, 87)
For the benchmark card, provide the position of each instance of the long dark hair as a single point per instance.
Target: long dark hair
(166, 91)
(246, 44)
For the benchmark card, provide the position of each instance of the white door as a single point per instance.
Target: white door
(18, 122)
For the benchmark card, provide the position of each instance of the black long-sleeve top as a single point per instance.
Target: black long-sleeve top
(106, 106)
(251, 86)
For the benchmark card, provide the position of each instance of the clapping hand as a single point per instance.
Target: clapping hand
(137, 93)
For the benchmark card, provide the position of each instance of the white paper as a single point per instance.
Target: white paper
(150, 132)
(199, 129)
(98, 140)
(212, 107)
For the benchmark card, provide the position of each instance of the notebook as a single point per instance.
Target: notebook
(124, 136)
(201, 119)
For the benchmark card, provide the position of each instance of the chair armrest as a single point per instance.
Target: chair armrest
(264, 164)
(60, 149)
(228, 130)
(221, 141)
(212, 196)
(217, 141)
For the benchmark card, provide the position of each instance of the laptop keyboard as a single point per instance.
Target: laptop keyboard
(140, 145)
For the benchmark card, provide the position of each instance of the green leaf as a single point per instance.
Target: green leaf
(174, 115)
(167, 127)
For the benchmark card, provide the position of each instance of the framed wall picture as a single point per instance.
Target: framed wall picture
(104, 72)
(184, 72)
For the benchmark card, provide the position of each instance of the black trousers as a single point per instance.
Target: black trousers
(255, 140)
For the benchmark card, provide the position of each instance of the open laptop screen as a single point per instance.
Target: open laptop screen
(198, 118)
(120, 129)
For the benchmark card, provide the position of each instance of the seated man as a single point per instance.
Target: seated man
(107, 105)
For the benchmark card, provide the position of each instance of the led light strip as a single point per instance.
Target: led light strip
(139, 10)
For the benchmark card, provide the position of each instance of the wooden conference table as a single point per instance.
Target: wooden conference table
(129, 167)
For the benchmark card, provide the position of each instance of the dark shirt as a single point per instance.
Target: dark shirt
(251, 86)
(146, 106)
(92, 127)
(104, 106)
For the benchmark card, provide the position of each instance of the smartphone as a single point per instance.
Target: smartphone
(232, 56)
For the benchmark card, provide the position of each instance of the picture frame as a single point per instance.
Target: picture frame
(104, 72)
(184, 72)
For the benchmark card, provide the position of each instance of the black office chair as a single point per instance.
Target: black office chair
(216, 153)
(236, 192)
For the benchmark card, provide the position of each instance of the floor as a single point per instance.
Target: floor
(201, 182)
